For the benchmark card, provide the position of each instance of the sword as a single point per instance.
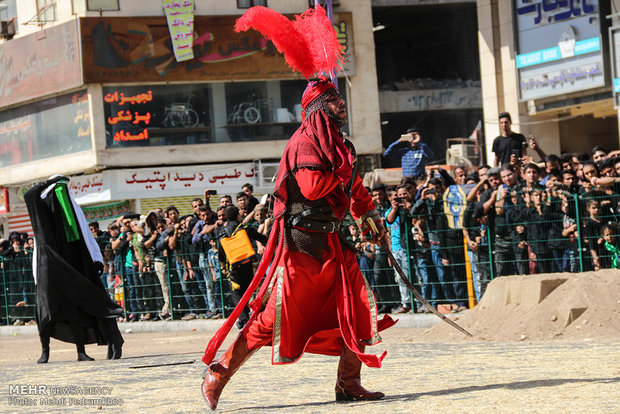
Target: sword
(410, 286)
(163, 365)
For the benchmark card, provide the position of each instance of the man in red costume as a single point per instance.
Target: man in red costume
(314, 298)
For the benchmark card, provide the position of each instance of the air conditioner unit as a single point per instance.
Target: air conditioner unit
(267, 173)
(7, 28)
(462, 154)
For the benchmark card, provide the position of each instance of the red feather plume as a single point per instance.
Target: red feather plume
(309, 44)
(281, 31)
(321, 37)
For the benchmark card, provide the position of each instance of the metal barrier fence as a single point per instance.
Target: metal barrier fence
(536, 233)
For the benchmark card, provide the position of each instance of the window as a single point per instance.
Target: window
(78, 6)
(45, 129)
(185, 114)
(155, 115)
(246, 4)
(46, 11)
(104, 5)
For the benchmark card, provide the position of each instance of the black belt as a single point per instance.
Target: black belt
(301, 221)
(320, 226)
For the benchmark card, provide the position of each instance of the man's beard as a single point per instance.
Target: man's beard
(320, 104)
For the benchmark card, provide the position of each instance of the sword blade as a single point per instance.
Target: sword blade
(413, 290)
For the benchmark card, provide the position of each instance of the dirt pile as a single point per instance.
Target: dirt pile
(542, 307)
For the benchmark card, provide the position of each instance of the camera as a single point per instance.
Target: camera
(398, 199)
(431, 191)
(211, 192)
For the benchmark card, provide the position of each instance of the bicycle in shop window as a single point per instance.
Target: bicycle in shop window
(248, 112)
(180, 115)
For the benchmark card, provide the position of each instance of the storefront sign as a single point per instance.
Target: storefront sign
(117, 49)
(89, 188)
(129, 115)
(430, 99)
(559, 47)
(180, 16)
(614, 40)
(149, 182)
(127, 184)
(45, 62)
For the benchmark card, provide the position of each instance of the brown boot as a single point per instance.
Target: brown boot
(348, 385)
(220, 372)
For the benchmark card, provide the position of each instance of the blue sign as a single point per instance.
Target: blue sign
(551, 54)
(616, 85)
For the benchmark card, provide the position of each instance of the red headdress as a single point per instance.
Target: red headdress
(309, 44)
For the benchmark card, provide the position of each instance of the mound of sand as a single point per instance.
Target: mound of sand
(542, 307)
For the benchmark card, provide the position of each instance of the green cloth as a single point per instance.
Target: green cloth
(68, 218)
(615, 253)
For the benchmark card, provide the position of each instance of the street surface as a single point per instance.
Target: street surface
(575, 377)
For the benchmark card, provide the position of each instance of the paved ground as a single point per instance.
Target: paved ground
(475, 376)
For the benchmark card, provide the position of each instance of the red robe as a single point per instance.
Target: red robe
(306, 304)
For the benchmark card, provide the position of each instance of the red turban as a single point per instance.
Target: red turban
(313, 91)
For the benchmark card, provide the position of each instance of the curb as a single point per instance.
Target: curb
(418, 320)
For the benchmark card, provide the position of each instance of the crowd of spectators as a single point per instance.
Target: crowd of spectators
(524, 216)
(559, 214)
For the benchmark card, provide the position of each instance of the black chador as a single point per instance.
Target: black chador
(72, 304)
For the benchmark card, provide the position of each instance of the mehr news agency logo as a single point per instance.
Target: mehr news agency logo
(48, 395)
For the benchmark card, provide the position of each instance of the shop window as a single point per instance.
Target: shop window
(185, 114)
(157, 115)
(45, 129)
(246, 4)
(261, 111)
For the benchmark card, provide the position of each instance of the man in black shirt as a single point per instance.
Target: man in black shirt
(508, 142)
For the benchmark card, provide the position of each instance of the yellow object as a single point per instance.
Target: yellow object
(372, 225)
(471, 298)
(237, 247)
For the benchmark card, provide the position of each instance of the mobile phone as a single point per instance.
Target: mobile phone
(211, 192)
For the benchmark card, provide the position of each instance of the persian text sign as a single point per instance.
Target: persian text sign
(559, 47)
(150, 182)
(430, 99)
(39, 64)
(180, 16)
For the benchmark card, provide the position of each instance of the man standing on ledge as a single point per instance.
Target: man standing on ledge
(508, 143)
(314, 297)
(414, 154)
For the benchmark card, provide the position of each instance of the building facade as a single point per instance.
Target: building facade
(549, 65)
(93, 88)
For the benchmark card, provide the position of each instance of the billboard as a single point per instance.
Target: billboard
(126, 49)
(559, 47)
(40, 64)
